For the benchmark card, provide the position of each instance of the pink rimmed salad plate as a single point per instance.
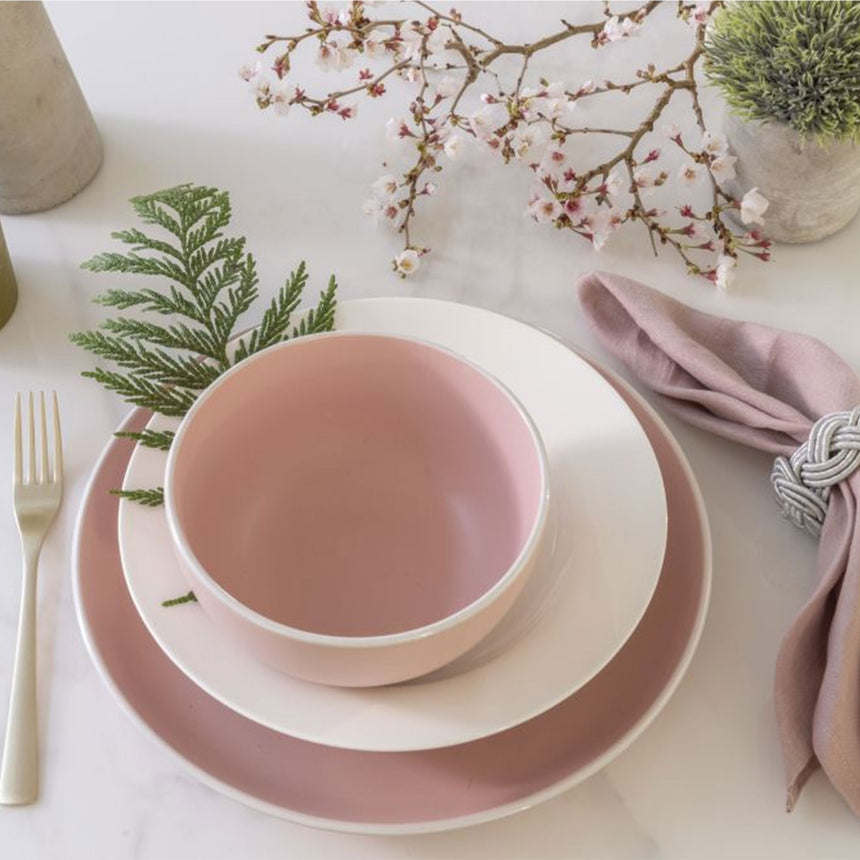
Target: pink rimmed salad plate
(585, 596)
(406, 792)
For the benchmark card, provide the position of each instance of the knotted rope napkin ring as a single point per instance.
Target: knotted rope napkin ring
(802, 483)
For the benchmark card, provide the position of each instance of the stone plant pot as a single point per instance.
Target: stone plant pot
(813, 189)
(8, 286)
(49, 145)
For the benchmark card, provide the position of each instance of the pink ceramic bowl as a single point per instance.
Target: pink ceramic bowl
(356, 509)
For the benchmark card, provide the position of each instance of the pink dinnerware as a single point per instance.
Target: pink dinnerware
(408, 792)
(356, 509)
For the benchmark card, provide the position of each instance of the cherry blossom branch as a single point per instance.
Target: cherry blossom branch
(529, 125)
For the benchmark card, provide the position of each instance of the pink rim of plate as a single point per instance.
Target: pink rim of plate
(410, 792)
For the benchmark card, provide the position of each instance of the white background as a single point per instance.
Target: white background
(706, 779)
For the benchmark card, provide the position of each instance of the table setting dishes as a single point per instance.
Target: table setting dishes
(791, 396)
(369, 524)
(290, 458)
(421, 789)
(37, 492)
(585, 596)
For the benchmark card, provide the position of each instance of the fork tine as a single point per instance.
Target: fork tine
(17, 467)
(43, 463)
(32, 475)
(58, 442)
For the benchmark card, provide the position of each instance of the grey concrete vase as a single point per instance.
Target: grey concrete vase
(8, 285)
(813, 188)
(49, 145)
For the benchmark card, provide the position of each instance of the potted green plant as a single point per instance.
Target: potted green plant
(790, 75)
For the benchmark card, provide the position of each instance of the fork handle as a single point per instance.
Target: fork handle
(19, 773)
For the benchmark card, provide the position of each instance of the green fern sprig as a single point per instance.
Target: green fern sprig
(209, 281)
(188, 597)
(161, 440)
(150, 498)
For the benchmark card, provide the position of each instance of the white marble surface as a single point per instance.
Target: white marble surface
(706, 779)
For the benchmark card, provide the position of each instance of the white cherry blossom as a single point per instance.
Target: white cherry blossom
(407, 262)
(372, 206)
(448, 87)
(602, 224)
(374, 45)
(524, 138)
(437, 40)
(328, 14)
(261, 87)
(616, 29)
(574, 208)
(552, 160)
(723, 167)
(249, 74)
(380, 210)
(753, 207)
(410, 43)
(385, 187)
(725, 274)
(413, 75)
(690, 173)
(453, 144)
(643, 178)
(282, 95)
(714, 143)
(614, 183)
(487, 120)
(334, 57)
(543, 209)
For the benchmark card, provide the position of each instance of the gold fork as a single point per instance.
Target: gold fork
(36, 499)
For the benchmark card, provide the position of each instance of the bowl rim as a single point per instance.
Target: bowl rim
(512, 574)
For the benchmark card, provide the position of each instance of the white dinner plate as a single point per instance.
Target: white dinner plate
(586, 596)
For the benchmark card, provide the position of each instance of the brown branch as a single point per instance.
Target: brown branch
(466, 26)
(588, 130)
(362, 87)
(639, 207)
(570, 30)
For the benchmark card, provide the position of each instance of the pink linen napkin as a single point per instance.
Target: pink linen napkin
(764, 388)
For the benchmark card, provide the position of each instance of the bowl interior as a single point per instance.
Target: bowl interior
(356, 485)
